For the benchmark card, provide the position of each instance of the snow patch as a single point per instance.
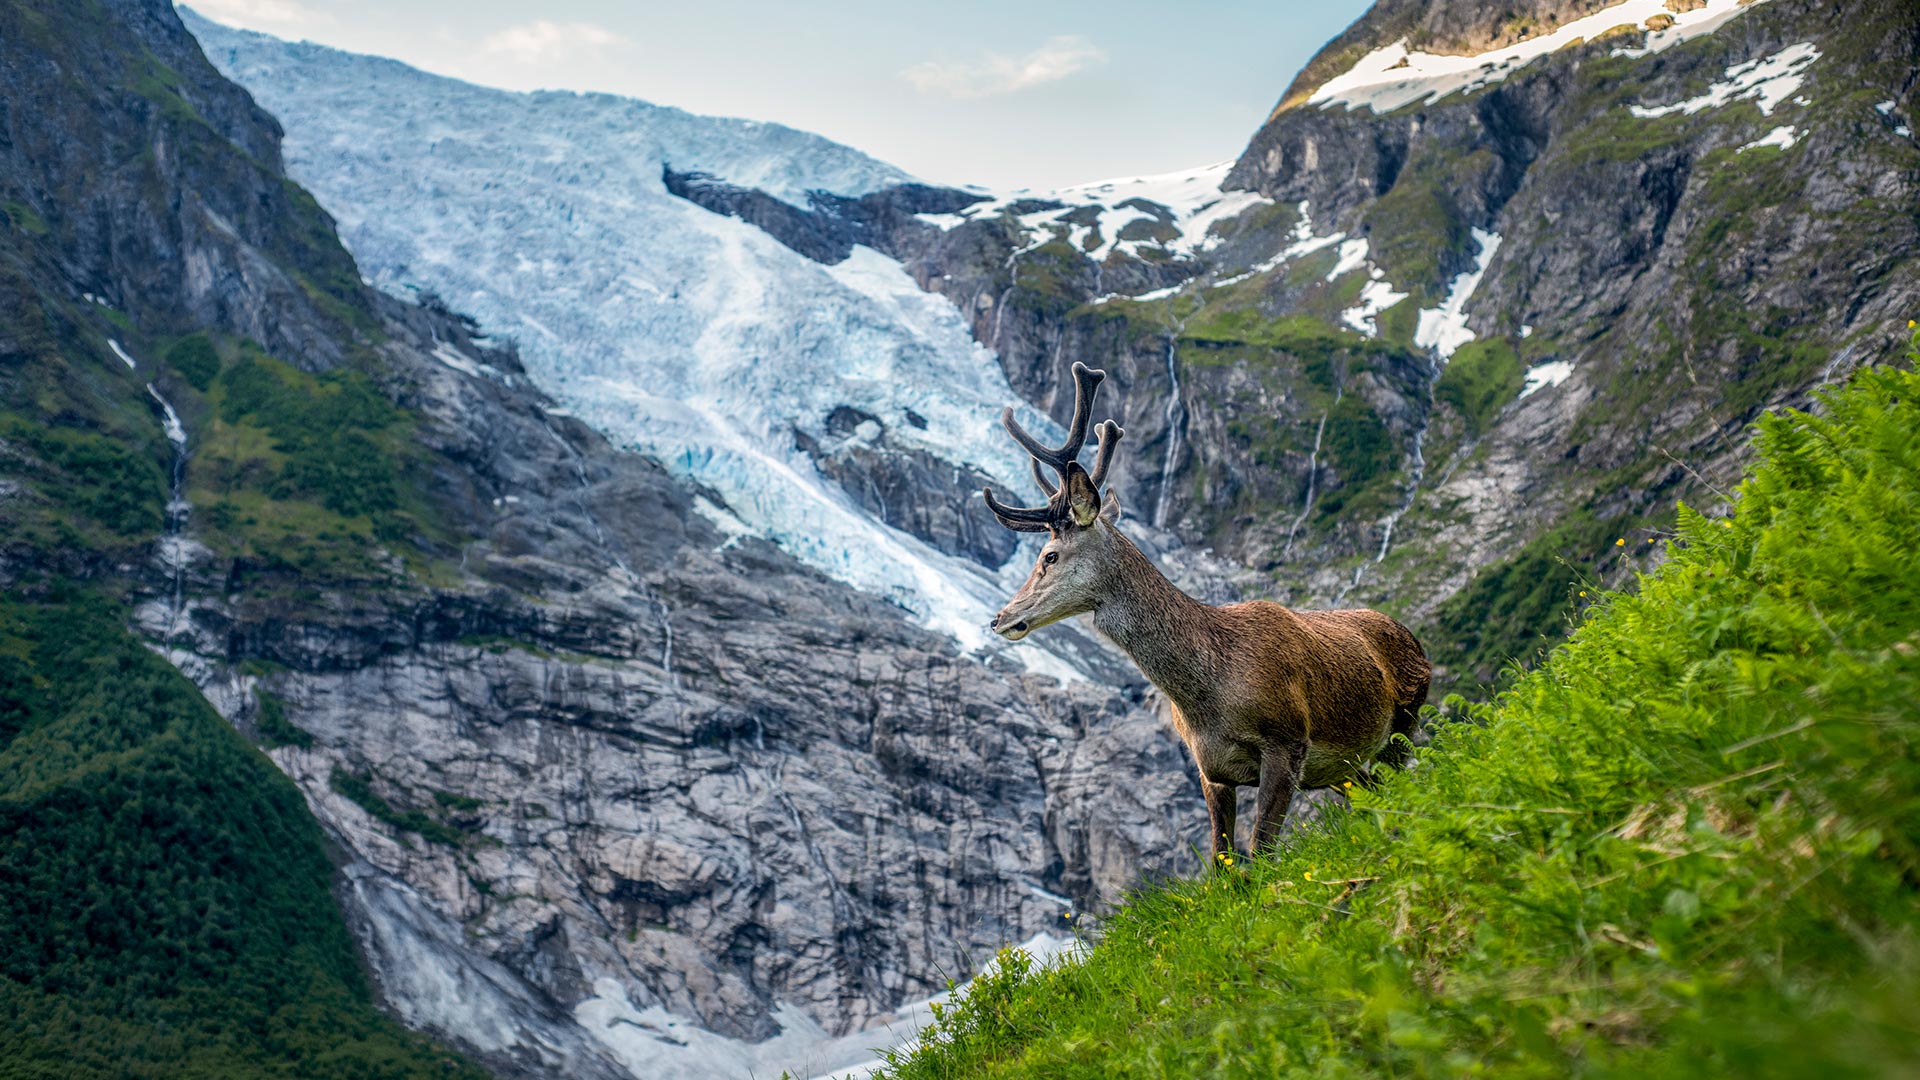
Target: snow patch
(1551, 373)
(1767, 82)
(1353, 255)
(1190, 201)
(1394, 76)
(1157, 294)
(1375, 297)
(723, 519)
(944, 221)
(466, 365)
(1444, 329)
(1782, 137)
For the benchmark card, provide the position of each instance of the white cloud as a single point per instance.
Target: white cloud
(259, 14)
(546, 40)
(996, 73)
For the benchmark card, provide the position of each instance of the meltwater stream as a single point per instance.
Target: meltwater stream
(173, 545)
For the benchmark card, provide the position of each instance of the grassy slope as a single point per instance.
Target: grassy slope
(1683, 846)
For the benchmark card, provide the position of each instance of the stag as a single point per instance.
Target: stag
(1261, 694)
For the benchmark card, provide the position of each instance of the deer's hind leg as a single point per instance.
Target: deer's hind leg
(1280, 767)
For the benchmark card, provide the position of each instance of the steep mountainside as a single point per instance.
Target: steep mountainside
(1459, 320)
(605, 785)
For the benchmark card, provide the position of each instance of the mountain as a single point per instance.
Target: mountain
(596, 784)
(1481, 299)
(588, 543)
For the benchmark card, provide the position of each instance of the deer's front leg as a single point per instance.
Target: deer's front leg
(1222, 801)
(1280, 766)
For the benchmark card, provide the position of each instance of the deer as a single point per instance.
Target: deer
(1261, 694)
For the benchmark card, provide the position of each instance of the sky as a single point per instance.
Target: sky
(996, 92)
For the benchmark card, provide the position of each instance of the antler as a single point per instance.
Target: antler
(1086, 382)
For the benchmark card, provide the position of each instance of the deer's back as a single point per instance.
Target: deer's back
(1342, 675)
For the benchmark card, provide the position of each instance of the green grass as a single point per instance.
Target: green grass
(301, 476)
(1687, 844)
(274, 727)
(1482, 378)
(164, 895)
(359, 789)
(22, 217)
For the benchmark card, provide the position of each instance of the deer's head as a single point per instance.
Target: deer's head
(1076, 564)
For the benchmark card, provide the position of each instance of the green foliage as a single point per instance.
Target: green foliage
(1419, 219)
(93, 476)
(1482, 378)
(360, 789)
(164, 895)
(1359, 450)
(1686, 845)
(1516, 609)
(22, 217)
(274, 727)
(328, 428)
(196, 360)
(307, 476)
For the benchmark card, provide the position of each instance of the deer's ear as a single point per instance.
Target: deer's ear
(1110, 509)
(1083, 499)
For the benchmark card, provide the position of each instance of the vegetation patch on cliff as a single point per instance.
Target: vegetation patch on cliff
(1683, 845)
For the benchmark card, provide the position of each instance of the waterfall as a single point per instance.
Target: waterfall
(1176, 412)
(1313, 476)
(173, 547)
(1417, 471)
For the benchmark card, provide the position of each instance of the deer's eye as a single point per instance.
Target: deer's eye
(1051, 558)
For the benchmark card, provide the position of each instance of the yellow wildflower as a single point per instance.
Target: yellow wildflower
(1622, 542)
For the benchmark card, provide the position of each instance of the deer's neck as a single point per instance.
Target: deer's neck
(1170, 635)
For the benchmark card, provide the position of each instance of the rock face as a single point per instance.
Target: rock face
(688, 766)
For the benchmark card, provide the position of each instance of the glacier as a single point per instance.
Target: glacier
(689, 336)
